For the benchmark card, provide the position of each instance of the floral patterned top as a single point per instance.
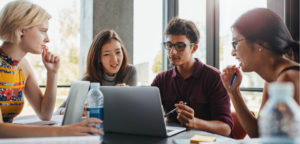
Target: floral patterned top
(12, 83)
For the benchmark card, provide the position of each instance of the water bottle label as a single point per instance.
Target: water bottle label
(95, 112)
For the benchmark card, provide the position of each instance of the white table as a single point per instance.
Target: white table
(112, 138)
(35, 120)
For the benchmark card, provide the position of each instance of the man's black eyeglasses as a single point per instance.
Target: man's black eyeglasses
(234, 43)
(179, 46)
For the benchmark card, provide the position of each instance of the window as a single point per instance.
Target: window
(147, 40)
(64, 41)
(252, 100)
(195, 10)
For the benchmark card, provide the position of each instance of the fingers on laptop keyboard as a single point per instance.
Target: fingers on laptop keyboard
(91, 120)
(92, 130)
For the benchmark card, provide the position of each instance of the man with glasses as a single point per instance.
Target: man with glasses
(195, 88)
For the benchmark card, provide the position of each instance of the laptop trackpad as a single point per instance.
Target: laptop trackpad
(172, 130)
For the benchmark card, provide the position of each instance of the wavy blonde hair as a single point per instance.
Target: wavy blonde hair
(18, 15)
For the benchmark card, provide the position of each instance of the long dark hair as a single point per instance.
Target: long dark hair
(262, 24)
(95, 68)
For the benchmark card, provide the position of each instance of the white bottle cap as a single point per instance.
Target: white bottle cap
(281, 89)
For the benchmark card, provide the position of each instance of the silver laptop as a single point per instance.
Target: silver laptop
(135, 110)
(75, 102)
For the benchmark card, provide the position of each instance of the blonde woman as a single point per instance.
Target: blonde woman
(23, 29)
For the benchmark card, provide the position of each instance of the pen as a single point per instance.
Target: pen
(233, 79)
(173, 110)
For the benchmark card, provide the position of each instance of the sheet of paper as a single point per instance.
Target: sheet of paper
(244, 141)
(35, 120)
(53, 140)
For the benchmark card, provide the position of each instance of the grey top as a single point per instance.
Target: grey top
(129, 78)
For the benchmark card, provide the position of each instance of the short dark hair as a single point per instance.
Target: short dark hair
(262, 24)
(179, 26)
(95, 69)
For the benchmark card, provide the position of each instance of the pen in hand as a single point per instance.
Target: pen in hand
(173, 110)
(233, 79)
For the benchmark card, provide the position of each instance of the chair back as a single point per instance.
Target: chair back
(237, 130)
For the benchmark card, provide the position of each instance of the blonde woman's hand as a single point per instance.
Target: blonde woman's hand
(227, 76)
(50, 61)
(82, 128)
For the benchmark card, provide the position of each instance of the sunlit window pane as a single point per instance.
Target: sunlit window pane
(253, 100)
(195, 10)
(147, 39)
(62, 94)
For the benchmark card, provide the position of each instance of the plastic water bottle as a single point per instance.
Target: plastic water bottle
(95, 101)
(279, 122)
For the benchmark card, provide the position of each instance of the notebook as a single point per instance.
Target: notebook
(53, 140)
(135, 110)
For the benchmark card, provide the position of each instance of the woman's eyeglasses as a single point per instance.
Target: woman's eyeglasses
(179, 46)
(234, 43)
